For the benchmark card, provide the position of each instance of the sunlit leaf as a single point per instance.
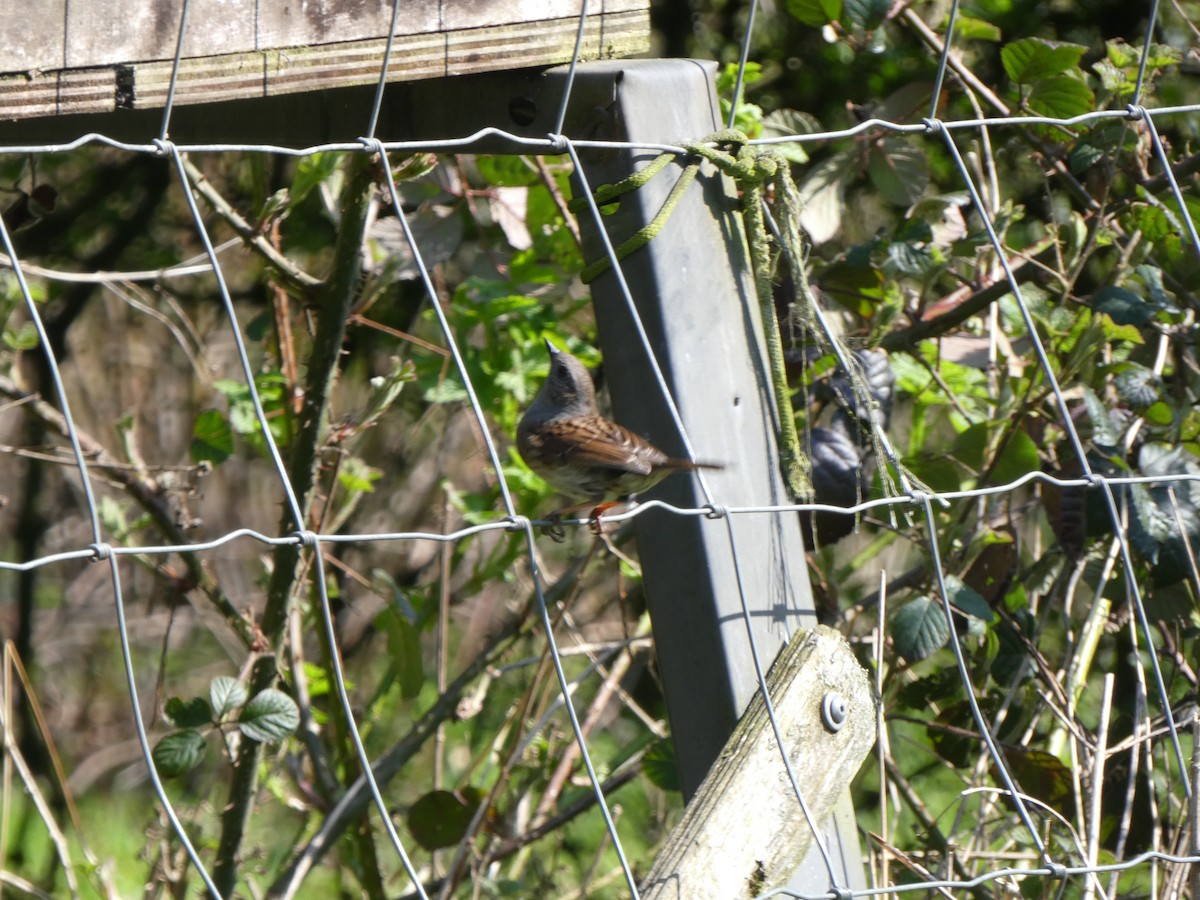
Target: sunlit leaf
(899, 170)
(311, 170)
(1105, 431)
(816, 13)
(1159, 413)
(823, 198)
(1137, 385)
(1060, 96)
(1032, 59)
(919, 628)
(225, 694)
(784, 122)
(356, 476)
(970, 28)
(1019, 456)
(212, 438)
(966, 599)
(177, 753)
(271, 715)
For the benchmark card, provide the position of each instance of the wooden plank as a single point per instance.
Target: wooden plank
(99, 34)
(324, 21)
(488, 48)
(32, 42)
(744, 832)
(213, 79)
(461, 15)
(261, 73)
(38, 95)
(89, 33)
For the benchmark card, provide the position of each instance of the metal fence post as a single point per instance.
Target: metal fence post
(694, 296)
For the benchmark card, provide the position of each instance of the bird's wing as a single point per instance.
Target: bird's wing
(594, 441)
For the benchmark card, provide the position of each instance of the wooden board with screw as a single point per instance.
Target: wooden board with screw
(78, 57)
(744, 832)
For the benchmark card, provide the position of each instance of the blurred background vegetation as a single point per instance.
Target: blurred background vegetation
(446, 666)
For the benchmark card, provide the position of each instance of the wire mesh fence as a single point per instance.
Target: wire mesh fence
(1013, 817)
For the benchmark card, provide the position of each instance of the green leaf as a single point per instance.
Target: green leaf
(950, 742)
(441, 818)
(968, 600)
(919, 628)
(357, 477)
(1151, 221)
(1083, 156)
(188, 713)
(212, 438)
(311, 170)
(1159, 413)
(1137, 385)
(226, 694)
(506, 171)
(1044, 775)
(1114, 79)
(269, 716)
(447, 390)
(661, 767)
(969, 28)
(1031, 59)
(404, 651)
(177, 753)
(866, 14)
(970, 447)
(784, 122)
(1060, 96)
(1122, 305)
(899, 170)
(1105, 432)
(817, 13)
(1019, 457)
(727, 77)
(24, 338)
(823, 197)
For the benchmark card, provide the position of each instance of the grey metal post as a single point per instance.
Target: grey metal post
(694, 296)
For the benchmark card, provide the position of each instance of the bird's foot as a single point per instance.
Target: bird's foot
(554, 529)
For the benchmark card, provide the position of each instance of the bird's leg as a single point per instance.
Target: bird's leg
(594, 523)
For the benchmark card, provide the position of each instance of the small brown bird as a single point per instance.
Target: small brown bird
(566, 441)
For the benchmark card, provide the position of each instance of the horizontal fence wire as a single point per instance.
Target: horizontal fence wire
(313, 543)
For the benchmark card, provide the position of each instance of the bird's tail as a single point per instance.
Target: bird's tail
(690, 465)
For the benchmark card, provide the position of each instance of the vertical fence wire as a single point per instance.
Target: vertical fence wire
(513, 521)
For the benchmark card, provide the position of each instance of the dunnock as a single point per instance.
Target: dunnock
(566, 441)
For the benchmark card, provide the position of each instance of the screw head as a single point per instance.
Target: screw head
(833, 710)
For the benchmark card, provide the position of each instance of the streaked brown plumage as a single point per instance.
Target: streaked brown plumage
(566, 441)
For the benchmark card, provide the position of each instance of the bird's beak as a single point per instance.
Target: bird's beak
(551, 349)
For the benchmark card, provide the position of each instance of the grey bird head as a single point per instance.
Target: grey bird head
(568, 391)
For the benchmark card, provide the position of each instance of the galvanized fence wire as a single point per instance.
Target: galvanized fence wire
(933, 129)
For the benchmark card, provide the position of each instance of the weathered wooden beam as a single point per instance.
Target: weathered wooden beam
(91, 57)
(744, 832)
